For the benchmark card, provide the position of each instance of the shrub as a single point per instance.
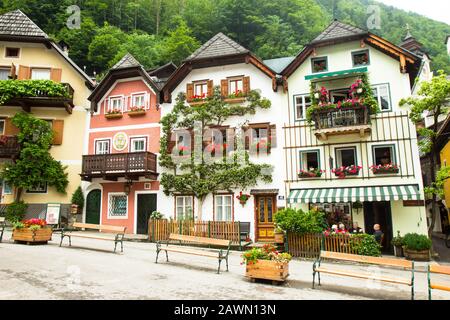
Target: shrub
(156, 215)
(15, 212)
(365, 245)
(300, 222)
(78, 198)
(414, 241)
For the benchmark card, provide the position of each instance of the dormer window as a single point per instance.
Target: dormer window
(360, 58)
(319, 64)
(12, 52)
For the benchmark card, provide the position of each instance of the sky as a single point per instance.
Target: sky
(434, 9)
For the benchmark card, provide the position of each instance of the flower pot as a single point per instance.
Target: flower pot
(243, 202)
(268, 270)
(113, 116)
(416, 255)
(137, 113)
(74, 209)
(28, 236)
(398, 251)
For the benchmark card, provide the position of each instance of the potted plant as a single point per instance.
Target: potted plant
(266, 263)
(311, 173)
(243, 198)
(114, 114)
(31, 231)
(397, 242)
(77, 201)
(385, 168)
(416, 247)
(137, 111)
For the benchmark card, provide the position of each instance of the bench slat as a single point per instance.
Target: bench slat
(435, 268)
(102, 227)
(367, 259)
(203, 240)
(440, 286)
(363, 276)
(194, 252)
(90, 236)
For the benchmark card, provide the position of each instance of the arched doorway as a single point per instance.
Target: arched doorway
(93, 203)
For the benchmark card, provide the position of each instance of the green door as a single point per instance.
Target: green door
(93, 201)
(146, 204)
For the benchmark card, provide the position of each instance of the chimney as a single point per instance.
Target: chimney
(64, 47)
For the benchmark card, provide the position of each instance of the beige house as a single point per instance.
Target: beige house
(26, 52)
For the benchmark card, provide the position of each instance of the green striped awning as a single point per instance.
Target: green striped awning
(352, 194)
(333, 74)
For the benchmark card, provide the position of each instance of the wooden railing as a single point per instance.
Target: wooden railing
(132, 162)
(309, 245)
(342, 117)
(227, 230)
(9, 146)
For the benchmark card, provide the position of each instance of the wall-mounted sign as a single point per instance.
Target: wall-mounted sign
(120, 141)
(413, 203)
(281, 198)
(53, 213)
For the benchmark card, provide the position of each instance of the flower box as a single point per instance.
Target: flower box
(137, 113)
(113, 115)
(268, 270)
(28, 235)
(235, 100)
(305, 174)
(342, 172)
(385, 169)
(197, 102)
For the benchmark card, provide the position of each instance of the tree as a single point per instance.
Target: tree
(197, 173)
(433, 98)
(35, 164)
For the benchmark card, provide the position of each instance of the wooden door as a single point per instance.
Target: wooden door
(93, 201)
(146, 204)
(265, 211)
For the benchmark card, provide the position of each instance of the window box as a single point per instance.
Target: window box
(113, 115)
(342, 172)
(233, 100)
(197, 102)
(311, 173)
(137, 111)
(385, 169)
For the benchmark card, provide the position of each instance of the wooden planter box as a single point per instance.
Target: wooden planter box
(137, 113)
(235, 100)
(268, 270)
(197, 103)
(422, 255)
(27, 235)
(113, 116)
(394, 171)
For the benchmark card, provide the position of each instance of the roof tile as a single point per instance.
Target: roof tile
(338, 30)
(16, 23)
(218, 46)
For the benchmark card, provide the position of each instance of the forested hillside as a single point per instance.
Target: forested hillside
(157, 31)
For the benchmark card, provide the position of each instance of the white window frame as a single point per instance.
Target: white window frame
(136, 95)
(4, 184)
(110, 195)
(183, 206)
(38, 190)
(223, 205)
(304, 105)
(110, 105)
(378, 98)
(41, 69)
(138, 138)
(8, 69)
(100, 140)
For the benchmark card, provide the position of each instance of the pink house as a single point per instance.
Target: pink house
(124, 132)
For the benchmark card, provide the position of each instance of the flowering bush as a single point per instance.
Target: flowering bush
(33, 224)
(136, 109)
(356, 89)
(242, 197)
(343, 171)
(311, 173)
(321, 95)
(267, 252)
(183, 150)
(385, 168)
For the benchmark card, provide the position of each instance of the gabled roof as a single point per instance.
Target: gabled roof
(16, 23)
(278, 64)
(338, 30)
(127, 61)
(218, 46)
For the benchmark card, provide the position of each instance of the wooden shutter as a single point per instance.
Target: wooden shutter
(246, 84)
(24, 73)
(224, 87)
(191, 131)
(55, 74)
(189, 91)
(273, 135)
(58, 129)
(12, 74)
(170, 144)
(247, 137)
(210, 88)
(10, 128)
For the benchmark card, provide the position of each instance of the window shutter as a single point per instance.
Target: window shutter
(170, 144)
(246, 84)
(55, 74)
(191, 131)
(24, 73)
(189, 91)
(210, 88)
(247, 136)
(273, 135)
(13, 71)
(224, 87)
(10, 128)
(58, 129)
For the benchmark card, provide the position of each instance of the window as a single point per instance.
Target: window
(319, 64)
(118, 203)
(138, 100)
(184, 208)
(5, 73)
(309, 160)
(115, 103)
(40, 188)
(102, 146)
(235, 85)
(302, 102)
(381, 93)
(223, 207)
(2, 126)
(383, 155)
(346, 157)
(138, 144)
(259, 136)
(40, 74)
(360, 58)
(6, 188)
(201, 89)
(339, 95)
(12, 52)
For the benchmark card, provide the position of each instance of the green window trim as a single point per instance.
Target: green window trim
(317, 151)
(318, 59)
(358, 52)
(393, 152)
(355, 149)
(332, 74)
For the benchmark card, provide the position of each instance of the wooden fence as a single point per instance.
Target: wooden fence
(160, 229)
(309, 245)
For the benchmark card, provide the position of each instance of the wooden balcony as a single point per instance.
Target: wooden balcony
(112, 166)
(9, 147)
(341, 121)
(45, 99)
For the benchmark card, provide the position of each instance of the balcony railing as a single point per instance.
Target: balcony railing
(9, 146)
(130, 165)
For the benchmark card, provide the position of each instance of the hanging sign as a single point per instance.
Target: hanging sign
(120, 141)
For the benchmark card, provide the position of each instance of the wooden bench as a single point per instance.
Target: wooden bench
(119, 233)
(2, 227)
(389, 262)
(178, 240)
(435, 285)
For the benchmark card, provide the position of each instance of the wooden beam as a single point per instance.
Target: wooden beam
(110, 178)
(402, 64)
(68, 108)
(260, 66)
(389, 47)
